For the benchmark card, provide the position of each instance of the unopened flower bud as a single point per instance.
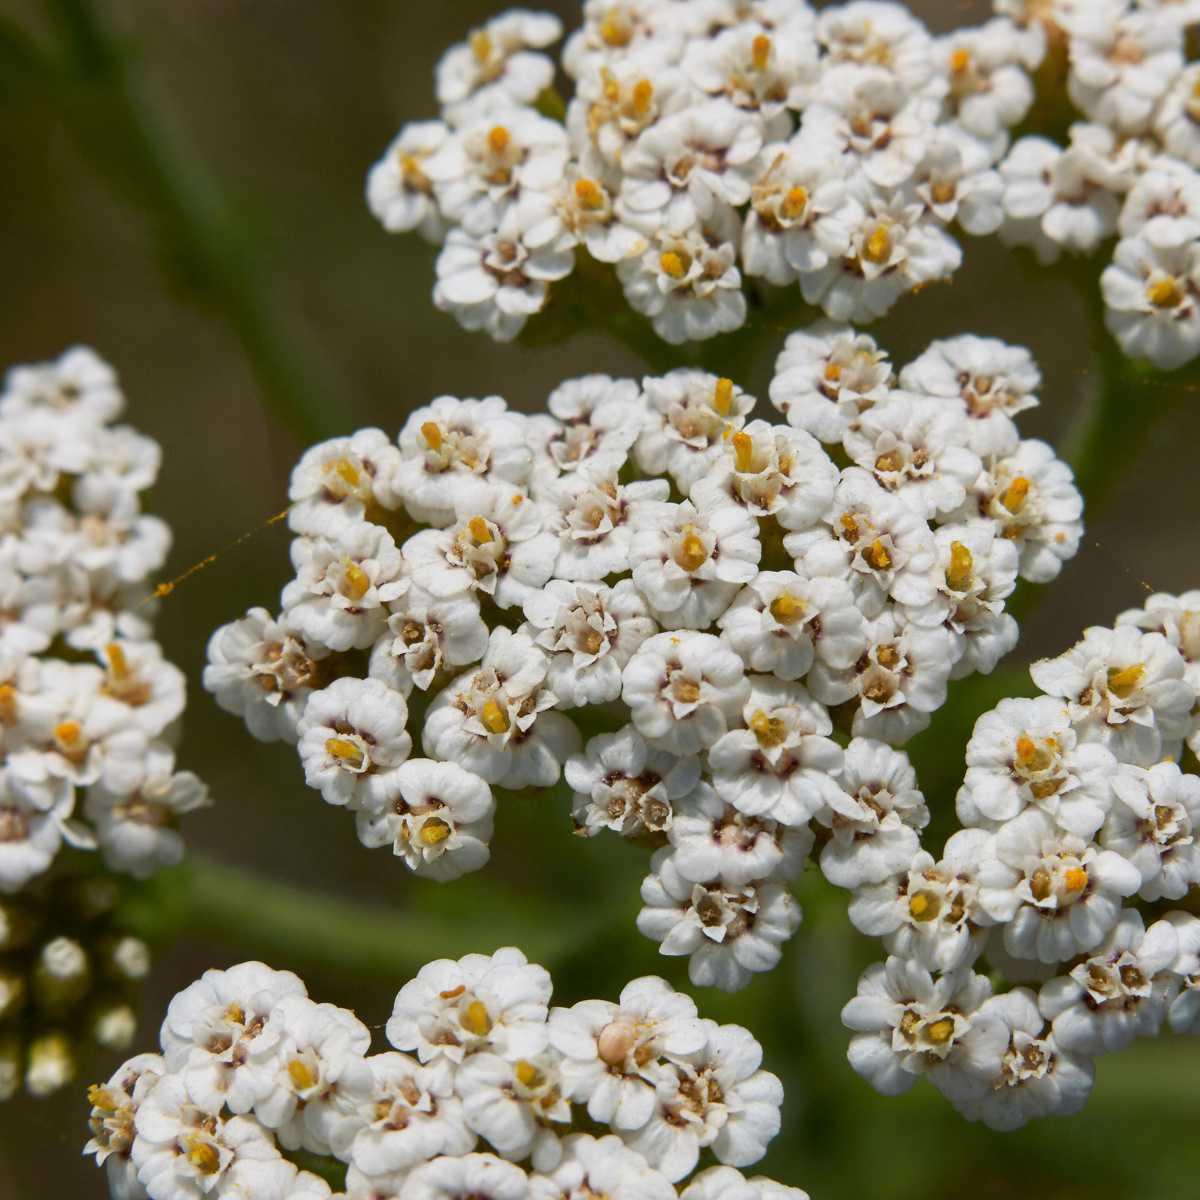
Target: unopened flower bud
(51, 1064)
(61, 975)
(113, 1025)
(126, 959)
(13, 993)
(10, 1066)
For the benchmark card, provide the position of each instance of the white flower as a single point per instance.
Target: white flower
(486, 171)
(988, 380)
(497, 279)
(471, 1177)
(726, 1183)
(781, 621)
(1034, 1077)
(352, 740)
(899, 682)
(136, 829)
(781, 766)
(342, 476)
(771, 471)
(591, 515)
(683, 690)
(1163, 206)
(728, 933)
(1175, 122)
(184, 1151)
(494, 722)
(976, 573)
(516, 1106)
(496, 1003)
(688, 415)
(622, 784)
(426, 635)
(33, 821)
(114, 1108)
(598, 419)
(1184, 1012)
(1056, 894)
(1121, 64)
(800, 215)
(687, 165)
(908, 1024)
(498, 546)
(263, 673)
(399, 192)
(874, 817)
(929, 912)
(872, 539)
(405, 1116)
(344, 582)
(218, 1031)
(826, 375)
(916, 449)
(1125, 689)
(584, 213)
(600, 1167)
(989, 89)
(316, 1077)
(496, 64)
(1026, 754)
(875, 32)
(451, 449)
(687, 281)
(590, 632)
(1121, 992)
(1153, 823)
(614, 1054)
(688, 559)
(78, 386)
(439, 823)
(719, 1099)
(1152, 295)
(1032, 498)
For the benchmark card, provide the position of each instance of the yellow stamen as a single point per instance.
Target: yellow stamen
(235, 1014)
(1040, 884)
(432, 433)
(1026, 750)
(1165, 292)
(923, 906)
(476, 1020)
(794, 204)
(850, 530)
(101, 1097)
(118, 663)
(481, 533)
(878, 247)
(692, 553)
(8, 702)
(301, 1074)
(1076, 879)
(833, 372)
(355, 581)
(672, 264)
(1122, 681)
(889, 463)
(743, 452)
(960, 60)
(494, 717)
(723, 396)
(962, 565)
(527, 1074)
(615, 30)
(481, 46)
(1016, 494)
(588, 193)
(498, 139)
(877, 557)
(786, 608)
(609, 85)
(434, 831)
(67, 733)
(348, 753)
(760, 52)
(941, 1031)
(203, 1156)
(770, 731)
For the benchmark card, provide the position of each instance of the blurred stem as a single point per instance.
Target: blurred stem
(105, 103)
(294, 925)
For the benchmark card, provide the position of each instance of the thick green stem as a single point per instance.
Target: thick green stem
(294, 926)
(103, 100)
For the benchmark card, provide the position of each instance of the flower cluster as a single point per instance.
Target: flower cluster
(1130, 169)
(252, 1069)
(701, 592)
(89, 708)
(707, 140)
(1074, 809)
(68, 981)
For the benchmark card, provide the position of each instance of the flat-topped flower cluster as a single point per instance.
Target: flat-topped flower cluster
(89, 708)
(1076, 817)
(698, 591)
(477, 1099)
(711, 140)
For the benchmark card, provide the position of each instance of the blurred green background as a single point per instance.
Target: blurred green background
(285, 103)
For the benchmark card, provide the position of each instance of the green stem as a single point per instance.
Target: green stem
(104, 101)
(293, 926)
